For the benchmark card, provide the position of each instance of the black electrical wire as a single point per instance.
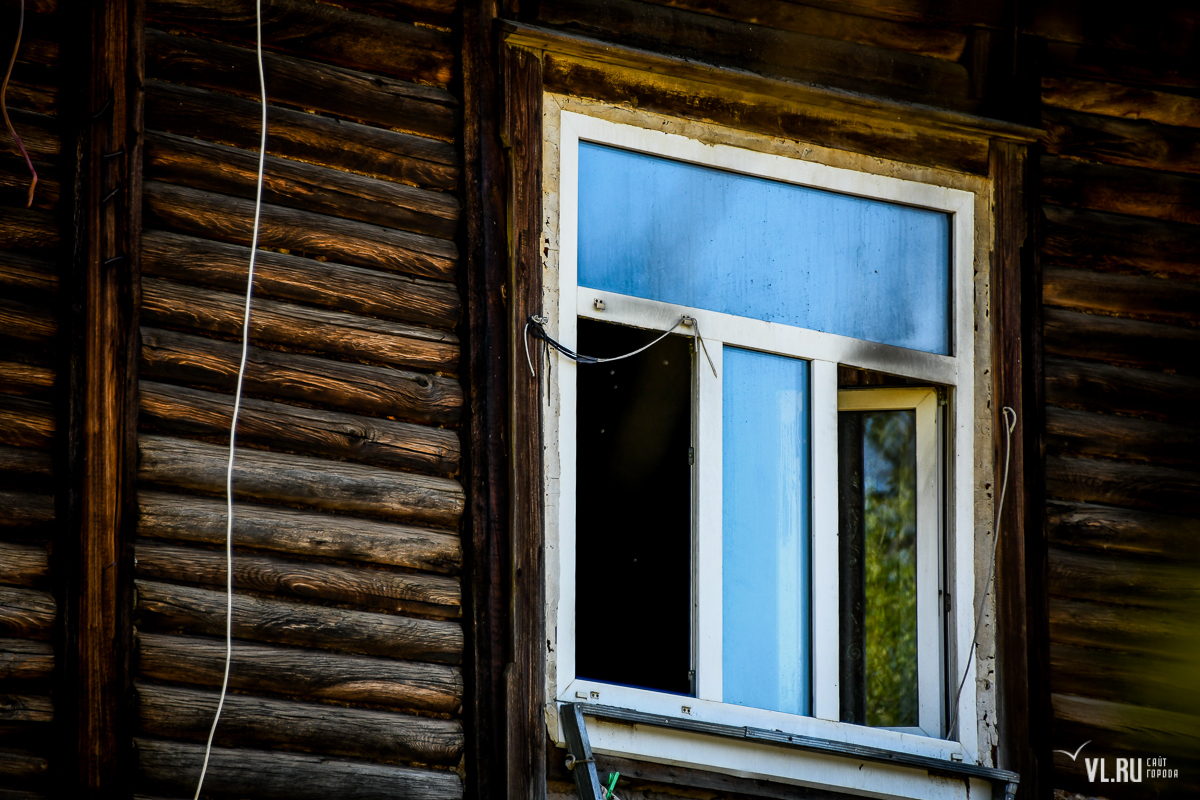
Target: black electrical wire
(535, 325)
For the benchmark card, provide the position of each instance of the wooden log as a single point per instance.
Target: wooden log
(1121, 341)
(1120, 100)
(21, 378)
(28, 273)
(1109, 627)
(1132, 143)
(199, 519)
(1122, 677)
(25, 510)
(41, 45)
(1120, 390)
(231, 219)
(757, 48)
(311, 482)
(26, 423)
(287, 325)
(35, 9)
(168, 607)
(172, 768)
(1142, 297)
(21, 794)
(246, 721)
(923, 40)
(750, 109)
(1148, 583)
(28, 229)
(26, 613)
(26, 708)
(33, 87)
(921, 12)
(439, 13)
(27, 323)
(23, 659)
(1174, 732)
(307, 137)
(22, 764)
(1103, 64)
(1154, 31)
(294, 184)
(39, 133)
(300, 326)
(397, 592)
(309, 431)
(1122, 532)
(399, 105)
(14, 184)
(1108, 436)
(23, 564)
(1115, 483)
(285, 277)
(1079, 238)
(300, 672)
(26, 461)
(360, 388)
(1121, 190)
(327, 33)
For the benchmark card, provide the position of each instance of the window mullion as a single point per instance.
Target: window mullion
(825, 540)
(706, 523)
(929, 626)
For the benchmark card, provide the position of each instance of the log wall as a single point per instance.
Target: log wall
(347, 617)
(34, 259)
(1120, 260)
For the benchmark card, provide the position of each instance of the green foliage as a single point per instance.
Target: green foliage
(889, 464)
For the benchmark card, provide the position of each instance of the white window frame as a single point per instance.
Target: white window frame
(565, 301)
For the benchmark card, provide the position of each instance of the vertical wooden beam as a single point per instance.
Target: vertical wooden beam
(484, 286)
(526, 750)
(101, 455)
(1020, 585)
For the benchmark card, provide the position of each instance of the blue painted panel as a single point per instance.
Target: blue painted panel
(765, 532)
(705, 238)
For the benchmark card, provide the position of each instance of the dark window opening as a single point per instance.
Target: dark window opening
(633, 510)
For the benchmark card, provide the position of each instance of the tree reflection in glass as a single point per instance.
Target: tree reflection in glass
(878, 555)
(890, 529)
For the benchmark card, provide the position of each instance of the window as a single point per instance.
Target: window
(736, 535)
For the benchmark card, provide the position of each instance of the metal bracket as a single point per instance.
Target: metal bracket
(587, 781)
(572, 761)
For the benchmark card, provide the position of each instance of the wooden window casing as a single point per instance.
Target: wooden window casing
(564, 301)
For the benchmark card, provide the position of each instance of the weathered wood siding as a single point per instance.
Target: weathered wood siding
(940, 55)
(1121, 287)
(348, 607)
(34, 259)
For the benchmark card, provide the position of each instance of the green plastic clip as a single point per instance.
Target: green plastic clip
(612, 784)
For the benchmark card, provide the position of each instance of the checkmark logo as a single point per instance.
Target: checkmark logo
(1076, 753)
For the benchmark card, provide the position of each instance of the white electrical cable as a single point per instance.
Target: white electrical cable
(1009, 427)
(237, 404)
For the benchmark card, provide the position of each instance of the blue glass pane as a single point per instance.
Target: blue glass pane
(765, 532)
(697, 236)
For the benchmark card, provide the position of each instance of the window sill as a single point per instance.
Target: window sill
(825, 754)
